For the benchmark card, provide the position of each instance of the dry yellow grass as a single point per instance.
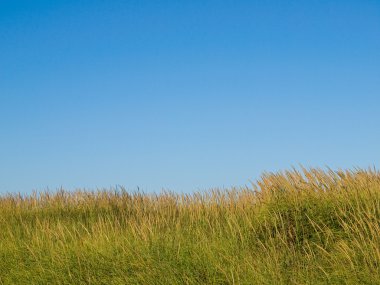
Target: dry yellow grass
(295, 227)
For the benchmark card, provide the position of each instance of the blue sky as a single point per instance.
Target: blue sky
(184, 95)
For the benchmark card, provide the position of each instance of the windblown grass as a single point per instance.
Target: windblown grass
(309, 227)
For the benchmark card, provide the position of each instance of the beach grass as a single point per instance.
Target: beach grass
(307, 226)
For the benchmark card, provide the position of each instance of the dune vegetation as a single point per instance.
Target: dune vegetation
(295, 227)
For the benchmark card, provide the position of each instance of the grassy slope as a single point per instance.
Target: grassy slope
(291, 228)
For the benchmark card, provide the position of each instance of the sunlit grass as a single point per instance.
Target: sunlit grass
(309, 227)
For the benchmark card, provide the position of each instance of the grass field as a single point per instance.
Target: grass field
(308, 227)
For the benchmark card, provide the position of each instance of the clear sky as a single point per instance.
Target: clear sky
(184, 95)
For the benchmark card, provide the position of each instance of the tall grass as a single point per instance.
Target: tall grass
(308, 227)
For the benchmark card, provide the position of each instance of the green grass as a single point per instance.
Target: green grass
(313, 227)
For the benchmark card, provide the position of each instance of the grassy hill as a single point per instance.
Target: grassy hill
(309, 227)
